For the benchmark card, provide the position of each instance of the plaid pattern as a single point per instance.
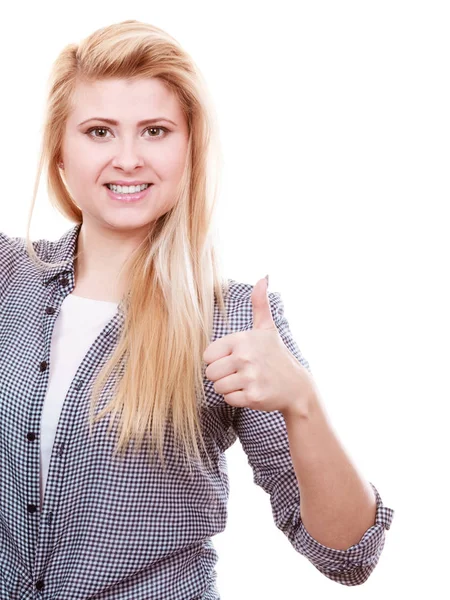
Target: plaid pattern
(117, 528)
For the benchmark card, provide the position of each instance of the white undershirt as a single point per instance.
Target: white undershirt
(78, 324)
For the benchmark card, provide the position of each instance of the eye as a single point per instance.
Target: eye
(105, 129)
(164, 129)
(89, 131)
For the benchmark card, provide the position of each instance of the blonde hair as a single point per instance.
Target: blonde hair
(174, 275)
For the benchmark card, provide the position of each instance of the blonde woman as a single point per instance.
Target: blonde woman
(130, 365)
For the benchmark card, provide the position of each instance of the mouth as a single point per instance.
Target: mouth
(142, 186)
(138, 192)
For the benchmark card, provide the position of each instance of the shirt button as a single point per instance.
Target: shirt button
(78, 385)
(64, 281)
(49, 310)
(40, 584)
(32, 508)
(61, 450)
(49, 517)
(31, 436)
(43, 365)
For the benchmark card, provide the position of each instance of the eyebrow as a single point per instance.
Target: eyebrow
(112, 122)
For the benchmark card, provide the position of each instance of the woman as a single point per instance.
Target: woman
(127, 316)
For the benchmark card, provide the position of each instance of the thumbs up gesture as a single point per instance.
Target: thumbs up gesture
(255, 369)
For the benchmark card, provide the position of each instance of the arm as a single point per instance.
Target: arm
(288, 457)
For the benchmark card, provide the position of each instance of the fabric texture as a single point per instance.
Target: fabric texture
(118, 528)
(79, 322)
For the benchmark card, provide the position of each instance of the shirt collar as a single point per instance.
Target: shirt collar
(62, 250)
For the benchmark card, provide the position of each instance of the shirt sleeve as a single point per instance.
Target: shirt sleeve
(9, 252)
(264, 439)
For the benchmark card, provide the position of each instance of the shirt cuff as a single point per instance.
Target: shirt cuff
(354, 565)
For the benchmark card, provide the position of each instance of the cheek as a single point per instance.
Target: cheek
(83, 183)
(169, 161)
(85, 169)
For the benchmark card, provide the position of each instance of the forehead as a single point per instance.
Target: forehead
(124, 100)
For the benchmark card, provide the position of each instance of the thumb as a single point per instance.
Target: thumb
(262, 316)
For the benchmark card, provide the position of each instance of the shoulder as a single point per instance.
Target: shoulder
(56, 250)
(15, 260)
(16, 246)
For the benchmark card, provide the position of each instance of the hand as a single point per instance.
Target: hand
(255, 369)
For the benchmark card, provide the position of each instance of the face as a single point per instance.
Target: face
(95, 152)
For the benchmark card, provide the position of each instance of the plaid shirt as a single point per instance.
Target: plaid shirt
(113, 527)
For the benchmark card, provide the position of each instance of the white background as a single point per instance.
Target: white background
(334, 123)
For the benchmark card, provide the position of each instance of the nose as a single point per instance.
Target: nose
(127, 157)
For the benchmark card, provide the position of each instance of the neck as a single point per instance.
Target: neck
(101, 256)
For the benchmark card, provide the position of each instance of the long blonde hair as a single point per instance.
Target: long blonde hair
(174, 275)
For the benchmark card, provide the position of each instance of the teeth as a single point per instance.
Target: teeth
(127, 189)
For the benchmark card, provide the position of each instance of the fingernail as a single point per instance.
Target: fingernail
(267, 279)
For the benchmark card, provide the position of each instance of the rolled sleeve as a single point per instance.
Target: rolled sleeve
(354, 565)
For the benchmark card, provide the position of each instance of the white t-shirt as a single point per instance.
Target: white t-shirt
(79, 322)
